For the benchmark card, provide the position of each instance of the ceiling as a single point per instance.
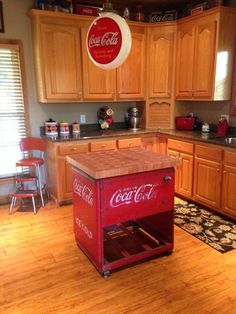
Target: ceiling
(148, 5)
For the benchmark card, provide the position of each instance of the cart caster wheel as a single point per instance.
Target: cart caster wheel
(106, 274)
(168, 253)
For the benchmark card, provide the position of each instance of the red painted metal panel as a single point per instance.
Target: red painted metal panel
(87, 229)
(137, 195)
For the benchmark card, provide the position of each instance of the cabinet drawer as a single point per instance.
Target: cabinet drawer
(230, 157)
(102, 145)
(184, 147)
(129, 142)
(210, 153)
(73, 148)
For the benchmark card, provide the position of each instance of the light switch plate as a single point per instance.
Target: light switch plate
(82, 118)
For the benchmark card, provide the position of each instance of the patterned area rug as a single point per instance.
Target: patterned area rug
(206, 226)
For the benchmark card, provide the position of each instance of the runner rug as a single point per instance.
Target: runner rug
(208, 227)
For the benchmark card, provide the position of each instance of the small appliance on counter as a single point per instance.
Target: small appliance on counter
(222, 127)
(184, 123)
(133, 118)
(205, 127)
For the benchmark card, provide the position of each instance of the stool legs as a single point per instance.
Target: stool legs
(40, 184)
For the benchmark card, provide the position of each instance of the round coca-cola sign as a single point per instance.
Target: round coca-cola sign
(108, 41)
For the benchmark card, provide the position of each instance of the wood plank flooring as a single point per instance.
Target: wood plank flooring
(43, 271)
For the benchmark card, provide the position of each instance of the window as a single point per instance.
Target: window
(12, 107)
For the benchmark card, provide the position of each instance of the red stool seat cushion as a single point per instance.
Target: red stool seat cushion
(27, 162)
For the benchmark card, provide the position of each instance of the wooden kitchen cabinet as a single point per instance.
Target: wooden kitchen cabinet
(59, 173)
(98, 146)
(97, 83)
(129, 142)
(160, 56)
(228, 184)
(154, 143)
(204, 60)
(131, 74)
(184, 172)
(127, 82)
(207, 175)
(57, 56)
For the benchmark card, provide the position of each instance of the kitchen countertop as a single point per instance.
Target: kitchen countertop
(182, 134)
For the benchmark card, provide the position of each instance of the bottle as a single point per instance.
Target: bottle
(126, 14)
(139, 16)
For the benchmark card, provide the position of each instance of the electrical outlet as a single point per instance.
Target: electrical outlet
(82, 118)
(225, 116)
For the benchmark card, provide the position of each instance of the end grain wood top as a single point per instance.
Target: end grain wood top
(106, 164)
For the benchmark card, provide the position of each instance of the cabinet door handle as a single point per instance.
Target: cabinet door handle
(130, 143)
(104, 145)
(167, 178)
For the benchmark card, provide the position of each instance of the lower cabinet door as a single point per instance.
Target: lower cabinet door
(186, 175)
(207, 182)
(228, 195)
(65, 180)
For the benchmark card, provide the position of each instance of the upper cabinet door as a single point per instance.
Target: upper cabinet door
(161, 43)
(204, 63)
(131, 74)
(59, 69)
(184, 61)
(98, 84)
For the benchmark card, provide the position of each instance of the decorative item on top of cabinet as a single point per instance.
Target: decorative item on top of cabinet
(124, 83)
(57, 57)
(184, 172)
(160, 57)
(205, 49)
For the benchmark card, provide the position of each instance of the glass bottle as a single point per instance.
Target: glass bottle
(139, 15)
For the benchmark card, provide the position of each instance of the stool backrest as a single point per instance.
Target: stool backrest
(30, 144)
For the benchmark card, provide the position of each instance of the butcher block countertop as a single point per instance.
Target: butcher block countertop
(106, 164)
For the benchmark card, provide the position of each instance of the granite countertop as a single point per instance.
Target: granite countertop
(87, 134)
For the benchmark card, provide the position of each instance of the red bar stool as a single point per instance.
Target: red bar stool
(32, 170)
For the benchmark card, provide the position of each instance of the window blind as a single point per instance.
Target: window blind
(12, 109)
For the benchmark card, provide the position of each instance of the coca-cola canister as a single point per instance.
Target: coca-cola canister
(51, 128)
(64, 128)
(75, 128)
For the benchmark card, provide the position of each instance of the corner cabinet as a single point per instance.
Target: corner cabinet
(161, 43)
(204, 61)
(57, 56)
(124, 83)
(161, 52)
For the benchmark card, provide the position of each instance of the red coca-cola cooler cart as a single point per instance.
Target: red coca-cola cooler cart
(123, 206)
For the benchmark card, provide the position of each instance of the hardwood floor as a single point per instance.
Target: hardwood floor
(43, 271)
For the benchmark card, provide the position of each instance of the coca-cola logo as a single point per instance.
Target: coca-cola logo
(104, 40)
(132, 195)
(83, 191)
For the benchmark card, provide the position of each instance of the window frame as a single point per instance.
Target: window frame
(13, 42)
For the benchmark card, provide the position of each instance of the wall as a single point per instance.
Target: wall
(208, 111)
(17, 26)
